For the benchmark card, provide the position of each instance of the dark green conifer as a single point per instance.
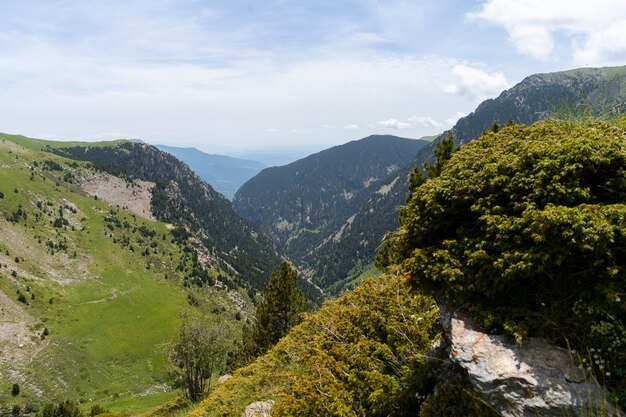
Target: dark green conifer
(276, 313)
(280, 308)
(443, 153)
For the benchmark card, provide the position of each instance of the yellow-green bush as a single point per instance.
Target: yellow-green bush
(356, 356)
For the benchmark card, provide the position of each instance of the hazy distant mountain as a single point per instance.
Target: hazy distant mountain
(273, 156)
(310, 205)
(224, 173)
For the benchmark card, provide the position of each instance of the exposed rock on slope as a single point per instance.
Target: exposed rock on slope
(131, 195)
(534, 379)
(259, 409)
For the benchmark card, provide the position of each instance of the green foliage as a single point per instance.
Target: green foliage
(456, 398)
(171, 407)
(197, 351)
(22, 298)
(416, 178)
(52, 165)
(603, 104)
(443, 152)
(15, 390)
(276, 313)
(67, 408)
(357, 356)
(529, 227)
(96, 410)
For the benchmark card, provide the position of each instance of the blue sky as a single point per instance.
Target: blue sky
(249, 74)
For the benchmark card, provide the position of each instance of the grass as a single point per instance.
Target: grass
(135, 405)
(111, 316)
(39, 144)
(339, 287)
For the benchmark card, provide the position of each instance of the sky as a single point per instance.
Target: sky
(229, 76)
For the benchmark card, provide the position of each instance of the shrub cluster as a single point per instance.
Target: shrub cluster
(358, 355)
(528, 226)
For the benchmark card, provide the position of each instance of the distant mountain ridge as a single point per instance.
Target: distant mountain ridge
(573, 93)
(310, 205)
(224, 173)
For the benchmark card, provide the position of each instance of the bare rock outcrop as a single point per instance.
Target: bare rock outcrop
(532, 379)
(259, 409)
(224, 378)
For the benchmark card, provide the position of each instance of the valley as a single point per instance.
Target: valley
(103, 245)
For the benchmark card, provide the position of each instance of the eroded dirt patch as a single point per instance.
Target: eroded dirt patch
(19, 344)
(134, 196)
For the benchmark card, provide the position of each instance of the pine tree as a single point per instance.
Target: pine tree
(443, 152)
(416, 179)
(276, 313)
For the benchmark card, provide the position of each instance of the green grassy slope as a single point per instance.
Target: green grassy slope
(32, 143)
(107, 285)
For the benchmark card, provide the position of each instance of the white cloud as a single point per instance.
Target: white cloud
(235, 103)
(603, 47)
(476, 84)
(394, 124)
(452, 120)
(147, 67)
(595, 29)
(533, 40)
(426, 121)
(410, 123)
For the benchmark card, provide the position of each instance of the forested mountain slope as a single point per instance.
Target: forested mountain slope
(309, 206)
(179, 196)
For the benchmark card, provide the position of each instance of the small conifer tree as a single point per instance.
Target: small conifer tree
(276, 313)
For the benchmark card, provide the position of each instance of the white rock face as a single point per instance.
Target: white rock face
(533, 379)
(259, 409)
(224, 378)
